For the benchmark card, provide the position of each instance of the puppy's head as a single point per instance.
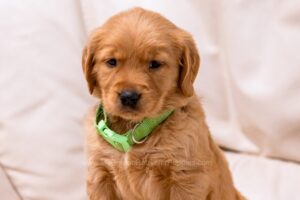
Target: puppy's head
(139, 63)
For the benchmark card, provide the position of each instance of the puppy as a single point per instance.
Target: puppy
(141, 65)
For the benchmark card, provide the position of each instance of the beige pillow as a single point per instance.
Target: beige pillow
(259, 178)
(7, 190)
(43, 98)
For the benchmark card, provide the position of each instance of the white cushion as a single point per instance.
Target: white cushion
(7, 189)
(43, 98)
(260, 178)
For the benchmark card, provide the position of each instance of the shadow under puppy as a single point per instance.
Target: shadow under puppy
(142, 68)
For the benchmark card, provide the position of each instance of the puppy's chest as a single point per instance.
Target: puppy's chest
(140, 163)
(134, 170)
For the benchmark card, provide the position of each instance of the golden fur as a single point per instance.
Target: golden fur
(179, 160)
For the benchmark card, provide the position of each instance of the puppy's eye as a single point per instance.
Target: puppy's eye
(154, 64)
(112, 62)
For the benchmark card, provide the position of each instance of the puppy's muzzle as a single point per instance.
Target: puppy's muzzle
(129, 98)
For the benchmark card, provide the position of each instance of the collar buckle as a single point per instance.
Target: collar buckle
(120, 142)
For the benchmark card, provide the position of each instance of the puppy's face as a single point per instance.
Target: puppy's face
(139, 64)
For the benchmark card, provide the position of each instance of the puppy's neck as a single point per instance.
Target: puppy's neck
(119, 124)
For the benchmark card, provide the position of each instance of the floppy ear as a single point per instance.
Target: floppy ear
(87, 66)
(189, 63)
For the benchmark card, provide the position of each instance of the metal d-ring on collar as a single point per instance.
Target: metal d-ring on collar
(132, 135)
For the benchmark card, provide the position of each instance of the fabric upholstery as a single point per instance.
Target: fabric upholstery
(43, 98)
(260, 178)
(7, 189)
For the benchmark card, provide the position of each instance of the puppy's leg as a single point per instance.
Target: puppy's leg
(101, 185)
(200, 187)
(190, 186)
(177, 184)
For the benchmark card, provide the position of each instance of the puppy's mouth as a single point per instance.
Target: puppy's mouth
(134, 113)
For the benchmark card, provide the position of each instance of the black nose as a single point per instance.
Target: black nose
(129, 98)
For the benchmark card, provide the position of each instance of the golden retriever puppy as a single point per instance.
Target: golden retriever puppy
(142, 67)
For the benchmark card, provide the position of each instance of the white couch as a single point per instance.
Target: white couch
(249, 83)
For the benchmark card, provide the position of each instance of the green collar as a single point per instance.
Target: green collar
(136, 135)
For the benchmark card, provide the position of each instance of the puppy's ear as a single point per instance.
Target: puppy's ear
(189, 63)
(87, 66)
